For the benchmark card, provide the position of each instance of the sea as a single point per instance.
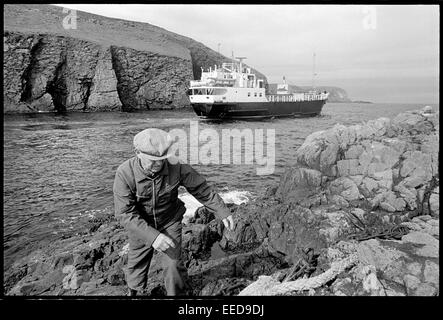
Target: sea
(58, 169)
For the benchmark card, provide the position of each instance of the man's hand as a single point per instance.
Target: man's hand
(163, 243)
(229, 223)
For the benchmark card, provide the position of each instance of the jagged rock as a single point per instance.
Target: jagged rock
(412, 123)
(370, 282)
(248, 265)
(201, 216)
(398, 264)
(298, 183)
(428, 244)
(346, 188)
(391, 165)
(227, 286)
(434, 202)
(198, 239)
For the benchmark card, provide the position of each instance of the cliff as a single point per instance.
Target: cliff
(104, 64)
(357, 214)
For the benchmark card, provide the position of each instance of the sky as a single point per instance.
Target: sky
(377, 53)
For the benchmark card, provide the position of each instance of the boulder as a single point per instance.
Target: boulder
(297, 184)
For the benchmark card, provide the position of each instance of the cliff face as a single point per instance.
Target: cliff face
(103, 65)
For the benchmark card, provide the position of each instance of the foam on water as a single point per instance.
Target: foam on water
(232, 196)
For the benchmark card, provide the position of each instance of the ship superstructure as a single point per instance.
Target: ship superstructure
(233, 91)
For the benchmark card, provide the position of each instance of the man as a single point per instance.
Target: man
(146, 203)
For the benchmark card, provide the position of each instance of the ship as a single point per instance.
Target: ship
(233, 91)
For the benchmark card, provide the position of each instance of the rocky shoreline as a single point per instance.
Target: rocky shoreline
(357, 214)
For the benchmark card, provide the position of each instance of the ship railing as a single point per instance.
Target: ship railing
(296, 97)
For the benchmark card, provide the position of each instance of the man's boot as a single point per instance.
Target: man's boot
(132, 292)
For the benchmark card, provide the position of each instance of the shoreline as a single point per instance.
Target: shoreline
(188, 108)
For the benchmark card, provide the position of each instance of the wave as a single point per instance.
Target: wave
(231, 196)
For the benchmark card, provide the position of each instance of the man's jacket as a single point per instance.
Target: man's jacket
(145, 204)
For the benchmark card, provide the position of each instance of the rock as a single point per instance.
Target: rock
(297, 184)
(116, 277)
(346, 188)
(420, 238)
(427, 109)
(371, 252)
(432, 273)
(202, 216)
(343, 287)
(412, 123)
(411, 283)
(381, 161)
(70, 281)
(348, 167)
(371, 283)
(414, 268)
(197, 239)
(416, 169)
(409, 195)
(425, 289)
(354, 151)
(434, 203)
(223, 287)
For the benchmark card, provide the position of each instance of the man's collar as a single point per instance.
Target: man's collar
(141, 174)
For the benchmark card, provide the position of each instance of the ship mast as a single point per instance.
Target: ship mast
(313, 71)
(240, 59)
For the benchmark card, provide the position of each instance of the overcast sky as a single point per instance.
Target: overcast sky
(376, 53)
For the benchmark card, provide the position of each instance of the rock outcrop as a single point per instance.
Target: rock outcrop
(406, 267)
(93, 263)
(382, 164)
(380, 173)
(103, 65)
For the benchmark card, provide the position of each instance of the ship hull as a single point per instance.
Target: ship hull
(253, 110)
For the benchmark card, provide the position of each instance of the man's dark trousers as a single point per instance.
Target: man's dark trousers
(139, 259)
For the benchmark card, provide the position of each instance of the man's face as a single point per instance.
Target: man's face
(153, 166)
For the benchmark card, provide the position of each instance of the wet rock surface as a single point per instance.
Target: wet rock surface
(282, 244)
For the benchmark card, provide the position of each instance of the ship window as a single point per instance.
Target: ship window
(200, 91)
(189, 92)
(260, 94)
(249, 94)
(255, 94)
